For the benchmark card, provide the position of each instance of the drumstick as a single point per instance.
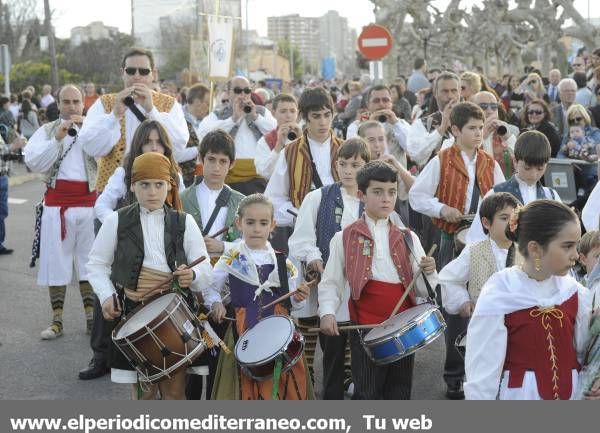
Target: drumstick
(170, 278)
(468, 216)
(219, 233)
(284, 297)
(292, 213)
(348, 327)
(411, 285)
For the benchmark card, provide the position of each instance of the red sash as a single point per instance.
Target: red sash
(377, 301)
(66, 194)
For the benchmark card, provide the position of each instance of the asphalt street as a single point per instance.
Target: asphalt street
(36, 369)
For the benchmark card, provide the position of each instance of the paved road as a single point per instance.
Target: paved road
(36, 369)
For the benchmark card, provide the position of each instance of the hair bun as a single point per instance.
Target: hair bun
(512, 229)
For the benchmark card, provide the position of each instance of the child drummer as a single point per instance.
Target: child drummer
(139, 246)
(374, 260)
(257, 275)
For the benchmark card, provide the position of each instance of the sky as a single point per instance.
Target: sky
(117, 13)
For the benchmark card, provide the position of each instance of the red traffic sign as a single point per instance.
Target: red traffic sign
(374, 42)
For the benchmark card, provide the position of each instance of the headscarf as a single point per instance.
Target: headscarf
(152, 165)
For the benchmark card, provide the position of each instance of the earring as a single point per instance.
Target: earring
(537, 264)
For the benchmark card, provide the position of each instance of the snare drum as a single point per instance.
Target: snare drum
(159, 337)
(259, 347)
(404, 334)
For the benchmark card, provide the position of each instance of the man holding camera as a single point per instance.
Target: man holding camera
(246, 123)
(379, 108)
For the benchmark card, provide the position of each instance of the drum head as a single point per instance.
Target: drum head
(266, 339)
(398, 322)
(461, 234)
(145, 315)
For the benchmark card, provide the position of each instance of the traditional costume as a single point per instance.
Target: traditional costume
(590, 215)
(526, 338)
(67, 220)
(109, 139)
(136, 248)
(370, 263)
(255, 279)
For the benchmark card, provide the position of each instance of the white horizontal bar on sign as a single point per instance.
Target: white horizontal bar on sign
(375, 42)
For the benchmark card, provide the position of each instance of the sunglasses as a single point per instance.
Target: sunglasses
(576, 65)
(531, 83)
(142, 71)
(535, 112)
(488, 106)
(381, 100)
(239, 90)
(224, 101)
(576, 119)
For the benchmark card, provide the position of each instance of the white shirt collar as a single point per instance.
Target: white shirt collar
(523, 184)
(205, 187)
(373, 225)
(145, 211)
(346, 195)
(316, 143)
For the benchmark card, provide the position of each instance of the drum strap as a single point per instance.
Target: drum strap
(222, 200)
(409, 244)
(315, 174)
(475, 197)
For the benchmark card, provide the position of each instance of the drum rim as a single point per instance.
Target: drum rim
(272, 357)
(290, 364)
(416, 321)
(177, 298)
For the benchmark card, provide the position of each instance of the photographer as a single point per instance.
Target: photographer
(7, 155)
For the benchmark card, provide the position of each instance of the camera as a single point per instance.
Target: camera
(72, 132)
(292, 136)
(382, 118)
(501, 130)
(247, 109)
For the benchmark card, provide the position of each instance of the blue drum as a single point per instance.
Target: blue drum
(404, 334)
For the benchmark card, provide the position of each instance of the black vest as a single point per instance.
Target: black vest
(129, 253)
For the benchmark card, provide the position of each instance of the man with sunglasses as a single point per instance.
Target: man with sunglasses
(246, 123)
(110, 125)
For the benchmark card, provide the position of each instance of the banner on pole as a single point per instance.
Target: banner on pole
(220, 47)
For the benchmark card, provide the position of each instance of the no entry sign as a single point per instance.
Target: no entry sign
(374, 42)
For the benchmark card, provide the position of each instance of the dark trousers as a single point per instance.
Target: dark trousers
(454, 365)
(251, 186)
(100, 340)
(334, 356)
(379, 382)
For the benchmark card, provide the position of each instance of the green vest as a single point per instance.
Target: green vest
(129, 253)
(189, 202)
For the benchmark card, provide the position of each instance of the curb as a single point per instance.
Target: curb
(21, 179)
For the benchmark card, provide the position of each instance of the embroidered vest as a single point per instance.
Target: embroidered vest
(482, 267)
(329, 217)
(454, 180)
(541, 339)
(129, 252)
(512, 186)
(359, 246)
(109, 163)
(299, 167)
(189, 202)
(88, 162)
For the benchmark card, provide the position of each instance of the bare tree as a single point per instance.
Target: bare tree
(15, 19)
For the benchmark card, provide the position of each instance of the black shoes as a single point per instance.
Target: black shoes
(94, 370)
(4, 251)
(455, 392)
